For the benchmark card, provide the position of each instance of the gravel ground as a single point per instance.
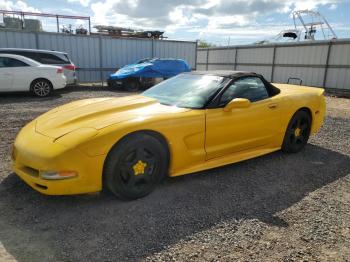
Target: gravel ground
(273, 208)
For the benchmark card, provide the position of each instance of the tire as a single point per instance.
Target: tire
(113, 84)
(135, 166)
(297, 133)
(41, 88)
(131, 85)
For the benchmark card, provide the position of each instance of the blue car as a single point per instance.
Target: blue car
(144, 72)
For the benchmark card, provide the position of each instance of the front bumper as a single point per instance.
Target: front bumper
(34, 153)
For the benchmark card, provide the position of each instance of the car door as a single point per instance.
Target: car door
(22, 73)
(242, 129)
(6, 75)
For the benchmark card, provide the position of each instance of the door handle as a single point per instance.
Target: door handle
(272, 106)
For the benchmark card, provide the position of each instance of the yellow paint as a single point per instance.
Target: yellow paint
(79, 135)
(139, 168)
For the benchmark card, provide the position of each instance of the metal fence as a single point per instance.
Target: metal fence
(98, 56)
(320, 64)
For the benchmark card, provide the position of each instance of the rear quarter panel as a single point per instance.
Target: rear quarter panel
(69, 74)
(58, 80)
(296, 97)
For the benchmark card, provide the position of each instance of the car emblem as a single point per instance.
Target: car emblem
(139, 168)
(297, 132)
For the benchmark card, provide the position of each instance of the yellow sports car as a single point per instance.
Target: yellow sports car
(191, 122)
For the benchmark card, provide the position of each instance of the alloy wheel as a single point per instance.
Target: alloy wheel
(41, 88)
(137, 169)
(299, 130)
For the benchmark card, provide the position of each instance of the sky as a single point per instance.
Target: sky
(220, 22)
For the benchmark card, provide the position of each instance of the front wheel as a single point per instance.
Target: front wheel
(41, 88)
(131, 84)
(297, 133)
(135, 166)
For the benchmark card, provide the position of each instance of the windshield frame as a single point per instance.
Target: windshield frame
(222, 86)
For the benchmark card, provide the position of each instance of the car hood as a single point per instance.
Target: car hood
(130, 70)
(98, 113)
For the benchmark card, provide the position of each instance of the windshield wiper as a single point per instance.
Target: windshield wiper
(166, 104)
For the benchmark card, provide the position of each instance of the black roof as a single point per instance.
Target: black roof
(224, 73)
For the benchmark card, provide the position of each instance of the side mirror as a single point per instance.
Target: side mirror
(237, 103)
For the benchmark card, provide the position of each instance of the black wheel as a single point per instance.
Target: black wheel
(41, 88)
(135, 166)
(113, 84)
(297, 133)
(131, 84)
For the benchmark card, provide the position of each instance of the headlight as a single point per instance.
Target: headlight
(54, 175)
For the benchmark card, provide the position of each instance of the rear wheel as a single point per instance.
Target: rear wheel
(135, 166)
(297, 133)
(41, 88)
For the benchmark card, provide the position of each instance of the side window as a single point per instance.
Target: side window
(50, 59)
(30, 55)
(252, 88)
(10, 62)
(64, 57)
(3, 62)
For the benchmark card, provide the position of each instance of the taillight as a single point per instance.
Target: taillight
(70, 67)
(60, 70)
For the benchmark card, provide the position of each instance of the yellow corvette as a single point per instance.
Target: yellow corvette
(191, 122)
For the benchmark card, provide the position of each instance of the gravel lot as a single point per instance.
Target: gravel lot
(274, 208)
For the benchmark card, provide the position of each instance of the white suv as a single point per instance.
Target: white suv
(47, 57)
(19, 73)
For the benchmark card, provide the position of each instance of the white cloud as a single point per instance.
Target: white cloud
(310, 4)
(333, 6)
(199, 18)
(84, 3)
(189, 18)
(17, 6)
(102, 14)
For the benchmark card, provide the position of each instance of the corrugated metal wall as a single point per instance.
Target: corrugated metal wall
(98, 56)
(23, 40)
(320, 64)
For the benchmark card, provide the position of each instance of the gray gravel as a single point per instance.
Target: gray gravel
(273, 208)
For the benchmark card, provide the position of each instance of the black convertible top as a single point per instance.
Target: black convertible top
(224, 73)
(271, 89)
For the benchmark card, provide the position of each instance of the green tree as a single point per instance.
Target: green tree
(205, 44)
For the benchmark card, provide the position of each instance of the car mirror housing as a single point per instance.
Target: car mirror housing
(237, 103)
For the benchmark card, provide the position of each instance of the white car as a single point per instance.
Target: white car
(47, 57)
(18, 73)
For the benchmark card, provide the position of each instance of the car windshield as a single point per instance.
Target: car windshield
(186, 90)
